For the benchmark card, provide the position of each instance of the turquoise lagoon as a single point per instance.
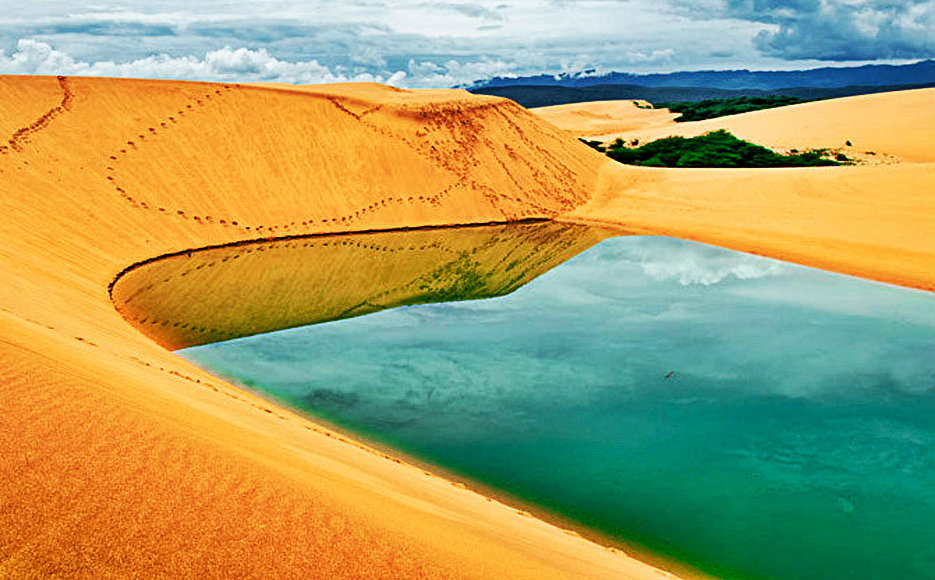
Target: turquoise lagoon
(751, 418)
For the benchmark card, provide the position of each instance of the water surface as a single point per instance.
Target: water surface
(752, 418)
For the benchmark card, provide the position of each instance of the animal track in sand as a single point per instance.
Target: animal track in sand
(455, 155)
(21, 136)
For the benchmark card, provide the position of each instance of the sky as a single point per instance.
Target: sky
(415, 43)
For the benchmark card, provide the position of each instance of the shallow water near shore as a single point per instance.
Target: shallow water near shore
(751, 418)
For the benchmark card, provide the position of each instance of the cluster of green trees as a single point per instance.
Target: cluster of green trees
(711, 108)
(715, 149)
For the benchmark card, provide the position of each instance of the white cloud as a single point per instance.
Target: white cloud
(241, 64)
(39, 58)
(461, 40)
(695, 264)
(367, 55)
(686, 263)
(690, 269)
(653, 56)
(453, 72)
(396, 78)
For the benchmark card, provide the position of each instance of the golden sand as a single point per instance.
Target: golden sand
(875, 219)
(118, 459)
(895, 125)
(121, 460)
(602, 118)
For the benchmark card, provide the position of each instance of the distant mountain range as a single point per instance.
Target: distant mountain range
(827, 77)
(819, 83)
(546, 95)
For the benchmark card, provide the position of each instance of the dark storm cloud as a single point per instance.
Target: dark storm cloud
(838, 30)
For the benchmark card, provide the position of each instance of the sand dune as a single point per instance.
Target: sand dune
(873, 219)
(118, 459)
(602, 118)
(895, 126)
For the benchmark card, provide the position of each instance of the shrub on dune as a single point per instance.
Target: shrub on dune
(715, 149)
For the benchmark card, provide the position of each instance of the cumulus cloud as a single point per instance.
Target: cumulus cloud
(690, 268)
(690, 263)
(396, 79)
(241, 64)
(453, 72)
(652, 56)
(367, 55)
(450, 43)
(246, 65)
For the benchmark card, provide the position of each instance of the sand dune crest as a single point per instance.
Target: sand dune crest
(118, 459)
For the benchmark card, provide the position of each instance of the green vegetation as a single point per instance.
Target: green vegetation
(593, 144)
(712, 108)
(715, 149)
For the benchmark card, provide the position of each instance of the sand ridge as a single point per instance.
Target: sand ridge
(602, 118)
(117, 458)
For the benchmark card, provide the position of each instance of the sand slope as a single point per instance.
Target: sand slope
(875, 219)
(601, 118)
(117, 459)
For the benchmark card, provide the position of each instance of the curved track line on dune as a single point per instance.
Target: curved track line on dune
(21, 136)
(278, 230)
